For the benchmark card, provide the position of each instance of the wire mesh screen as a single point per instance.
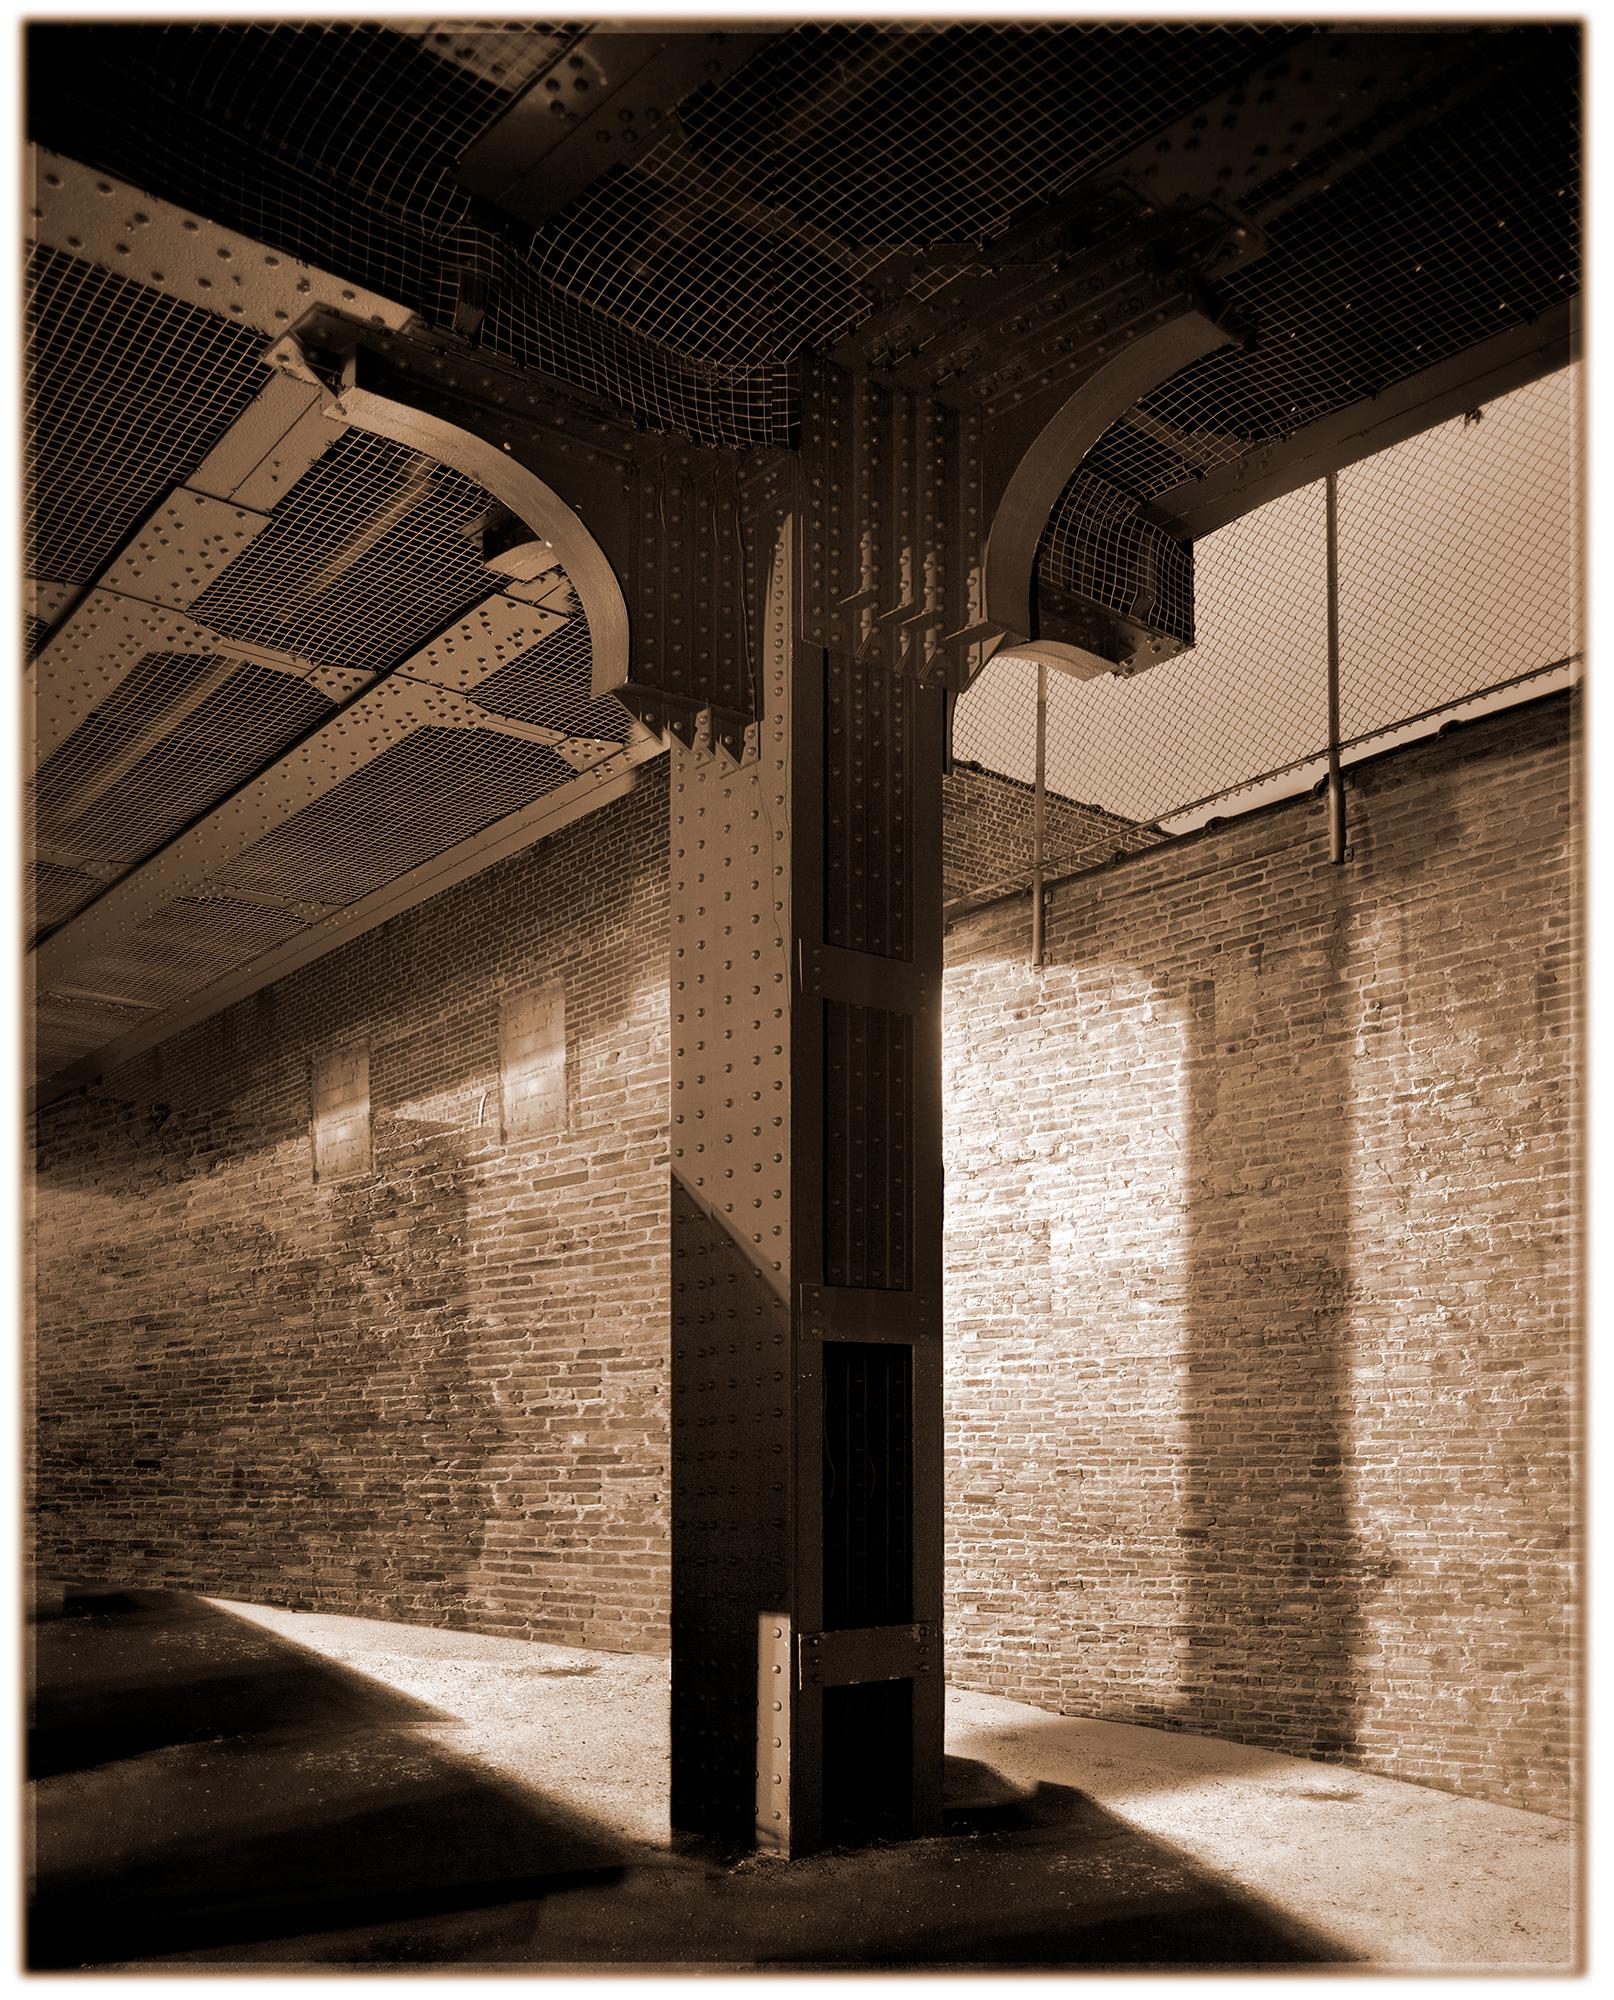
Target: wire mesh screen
(126, 390)
(1460, 230)
(1458, 587)
(681, 287)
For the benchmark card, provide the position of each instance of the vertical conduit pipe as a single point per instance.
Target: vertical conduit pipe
(1336, 783)
(1039, 813)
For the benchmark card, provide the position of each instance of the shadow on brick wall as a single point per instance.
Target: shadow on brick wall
(258, 1396)
(1268, 1576)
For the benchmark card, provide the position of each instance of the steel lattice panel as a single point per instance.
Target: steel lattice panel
(188, 944)
(177, 737)
(868, 1483)
(373, 550)
(437, 787)
(869, 726)
(67, 1028)
(126, 390)
(57, 892)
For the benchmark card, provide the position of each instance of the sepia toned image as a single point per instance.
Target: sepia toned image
(802, 998)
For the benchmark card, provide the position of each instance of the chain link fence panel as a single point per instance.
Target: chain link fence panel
(1459, 591)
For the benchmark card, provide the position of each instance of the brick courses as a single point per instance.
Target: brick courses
(1260, 1328)
(435, 1391)
(988, 838)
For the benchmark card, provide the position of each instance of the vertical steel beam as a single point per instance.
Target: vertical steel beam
(1039, 817)
(1336, 781)
(806, 1222)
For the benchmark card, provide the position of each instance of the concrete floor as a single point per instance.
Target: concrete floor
(220, 1784)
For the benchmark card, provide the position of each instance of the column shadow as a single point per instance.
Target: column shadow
(208, 1786)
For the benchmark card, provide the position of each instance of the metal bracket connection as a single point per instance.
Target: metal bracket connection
(865, 1653)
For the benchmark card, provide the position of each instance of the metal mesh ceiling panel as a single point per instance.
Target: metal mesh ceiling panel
(67, 1028)
(1461, 230)
(437, 787)
(180, 734)
(551, 686)
(189, 943)
(679, 288)
(126, 391)
(1096, 544)
(748, 235)
(338, 142)
(371, 552)
(58, 893)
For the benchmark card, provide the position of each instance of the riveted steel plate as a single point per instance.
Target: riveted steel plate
(94, 650)
(184, 545)
(354, 737)
(105, 221)
(484, 640)
(866, 1653)
(280, 433)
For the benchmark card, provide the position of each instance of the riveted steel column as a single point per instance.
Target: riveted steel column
(734, 1458)
(806, 1216)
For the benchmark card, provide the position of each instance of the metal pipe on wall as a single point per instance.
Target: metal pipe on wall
(1039, 815)
(1336, 781)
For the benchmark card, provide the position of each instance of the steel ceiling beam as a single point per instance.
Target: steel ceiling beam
(107, 222)
(597, 106)
(611, 778)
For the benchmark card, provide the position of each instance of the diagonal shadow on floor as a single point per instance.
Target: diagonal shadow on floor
(240, 1801)
(207, 1785)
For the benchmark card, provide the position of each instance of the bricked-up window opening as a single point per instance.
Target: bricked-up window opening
(340, 1114)
(532, 1062)
(868, 1484)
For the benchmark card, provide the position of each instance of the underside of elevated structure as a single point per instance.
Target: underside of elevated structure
(428, 422)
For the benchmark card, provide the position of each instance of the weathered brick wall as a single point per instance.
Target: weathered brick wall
(1259, 1309)
(436, 1390)
(1259, 1324)
(988, 832)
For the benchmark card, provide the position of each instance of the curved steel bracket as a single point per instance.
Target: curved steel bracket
(528, 497)
(1042, 470)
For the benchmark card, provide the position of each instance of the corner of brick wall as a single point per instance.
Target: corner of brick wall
(432, 1391)
(1261, 1326)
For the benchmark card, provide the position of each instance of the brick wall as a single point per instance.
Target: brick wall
(988, 832)
(1259, 1313)
(434, 1390)
(1259, 1325)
